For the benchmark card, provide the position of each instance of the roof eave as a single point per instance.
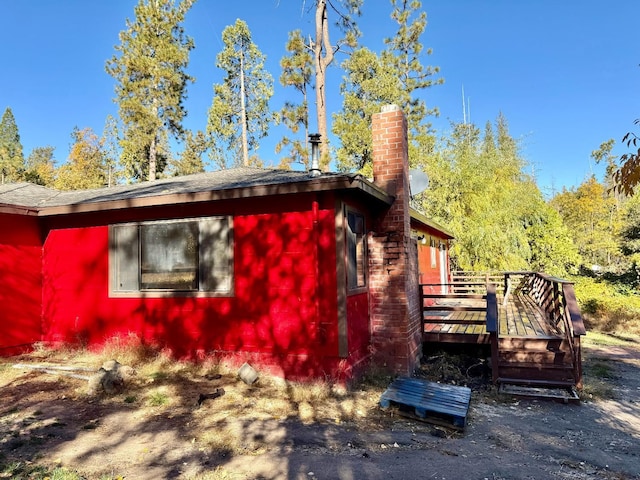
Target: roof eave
(18, 210)
(427, 222)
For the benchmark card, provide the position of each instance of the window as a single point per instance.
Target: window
(356, 276)
(433, 253)
(192, 255)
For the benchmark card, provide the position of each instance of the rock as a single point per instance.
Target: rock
(111, 365)
(210, 396)
(108, 379)
(248, 374)
(127, 372)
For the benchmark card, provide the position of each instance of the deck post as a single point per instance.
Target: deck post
(493, 329)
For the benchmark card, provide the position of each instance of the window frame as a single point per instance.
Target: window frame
(201, 270)
(351, 236)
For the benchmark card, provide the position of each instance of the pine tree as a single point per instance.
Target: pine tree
(190, 160)
(395, 76)
(150, 70)
(11, 156)
(367, 85)
(297, 71)
(112, 150)
(239, 116)
(603, 154)
(403, 55)
(40, 166)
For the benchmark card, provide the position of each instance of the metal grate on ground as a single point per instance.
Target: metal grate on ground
(429, 401)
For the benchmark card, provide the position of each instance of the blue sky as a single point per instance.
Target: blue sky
(564, 73)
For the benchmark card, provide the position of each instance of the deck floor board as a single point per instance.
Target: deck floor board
(519, 317)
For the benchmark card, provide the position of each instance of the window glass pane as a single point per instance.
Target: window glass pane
(124, 247)
(169, 256)
(215, 255)
(355, 250)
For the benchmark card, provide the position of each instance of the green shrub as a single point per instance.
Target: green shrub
(158, 399)
(608, 306)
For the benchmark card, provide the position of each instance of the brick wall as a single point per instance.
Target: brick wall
(393, 258)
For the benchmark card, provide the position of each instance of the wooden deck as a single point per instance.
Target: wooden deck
(518, 318)
(531, 321)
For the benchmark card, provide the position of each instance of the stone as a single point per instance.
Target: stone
(248, 374)
(107, 379)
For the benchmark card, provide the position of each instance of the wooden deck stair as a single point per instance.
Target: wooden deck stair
(539, 361)
(534, 327)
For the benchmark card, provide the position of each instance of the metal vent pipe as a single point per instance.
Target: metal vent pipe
(314, 140)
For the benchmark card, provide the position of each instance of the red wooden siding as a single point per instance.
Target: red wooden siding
(21, 292)
(429, 268)
(428, 274)
(358, 333)
(283, 311)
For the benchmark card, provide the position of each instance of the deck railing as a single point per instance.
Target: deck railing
(474, 282)
(557, 298)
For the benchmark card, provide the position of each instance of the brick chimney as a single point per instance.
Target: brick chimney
(396, 328)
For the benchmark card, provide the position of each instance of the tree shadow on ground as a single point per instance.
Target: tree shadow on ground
(156, 429)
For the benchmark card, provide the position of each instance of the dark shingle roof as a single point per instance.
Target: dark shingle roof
(230, 183)
(201, 182)
(218, 182)
(25, 194)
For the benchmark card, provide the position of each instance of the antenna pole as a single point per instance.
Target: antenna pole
(464, 109)
(469, 109)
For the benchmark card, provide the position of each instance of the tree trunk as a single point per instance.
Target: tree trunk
(305, 158)
(153, 147)
(152, 159)
(322, 44)
(243, 113)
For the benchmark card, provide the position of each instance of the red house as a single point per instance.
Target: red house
(306, 276)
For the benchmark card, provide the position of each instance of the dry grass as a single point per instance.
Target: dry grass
(219, 473)
(7, 373)
(167, 390)
(599, 380)
(219, 425)
(611, 339)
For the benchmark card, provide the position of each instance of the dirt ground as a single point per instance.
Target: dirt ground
(155, 429)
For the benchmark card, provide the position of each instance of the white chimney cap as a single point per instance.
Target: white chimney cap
(390, 108)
